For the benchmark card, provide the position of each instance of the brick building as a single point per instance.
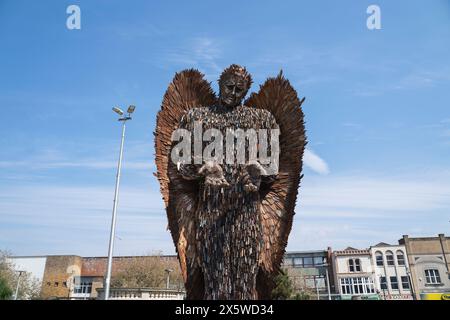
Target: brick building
(429, 261)
(416, 267)
(75, 277)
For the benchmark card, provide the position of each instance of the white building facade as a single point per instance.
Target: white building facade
(354, 274)
(391, 271)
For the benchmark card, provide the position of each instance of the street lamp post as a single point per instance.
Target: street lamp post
(123, 119)
(325, 265)
(317, 288)
(18, 283)
(328, 282)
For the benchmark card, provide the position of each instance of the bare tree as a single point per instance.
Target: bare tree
(146, 272)
(303, 285)
(29, 287)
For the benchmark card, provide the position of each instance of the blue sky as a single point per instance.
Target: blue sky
(377, 115)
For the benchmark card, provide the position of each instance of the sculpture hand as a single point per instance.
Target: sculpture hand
(255, 169)
(188, 171)
(252, 176)
(213, 174)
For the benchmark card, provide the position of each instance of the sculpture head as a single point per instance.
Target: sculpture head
(234, 83)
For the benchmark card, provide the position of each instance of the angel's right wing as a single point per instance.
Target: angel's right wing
(187, 90)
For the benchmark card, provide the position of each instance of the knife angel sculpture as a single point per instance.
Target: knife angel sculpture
(230, 214)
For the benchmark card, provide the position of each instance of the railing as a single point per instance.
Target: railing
(142, 294)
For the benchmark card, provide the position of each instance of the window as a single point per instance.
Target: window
(383, 283)
(432, 276)
(319, 261)
(56, 284)
(351, 265)
(357, 265)
(298, 261)
(83, 287)
(400, 258)
(360, 285)
(354, 265)
(405, 283)
(346, 286)
(308, 262)
(394, 283)
(390, 258)
(379, 258)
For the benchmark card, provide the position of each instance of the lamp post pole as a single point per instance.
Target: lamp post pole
(328, 282)
(325, 265)
(168, 278)
(18, 283)
(123, 119)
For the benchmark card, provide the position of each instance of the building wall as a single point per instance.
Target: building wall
(59, 276)
(310, 270)
(428, 253)
(342, 264)
(365, 277)
(397, 270)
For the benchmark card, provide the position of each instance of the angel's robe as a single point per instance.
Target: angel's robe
(229, 234)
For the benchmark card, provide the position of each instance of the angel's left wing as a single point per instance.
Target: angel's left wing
(278, 203)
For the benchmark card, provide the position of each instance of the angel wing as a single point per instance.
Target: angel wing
(278, 202)
(187, 90)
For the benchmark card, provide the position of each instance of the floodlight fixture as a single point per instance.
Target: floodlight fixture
(118, 110)
(131, 109)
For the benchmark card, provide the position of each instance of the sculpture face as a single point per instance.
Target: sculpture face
(232, 90)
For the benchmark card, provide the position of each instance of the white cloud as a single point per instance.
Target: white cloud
(412, 79)
(352, 125)
(64, 219)
(318, 235)
(382, 195)
(360, 210)
(87, 164)
(337, 211)
(137, 156)
(200, 52)
(315, 163)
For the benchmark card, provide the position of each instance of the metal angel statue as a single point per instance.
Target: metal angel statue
(229, 175)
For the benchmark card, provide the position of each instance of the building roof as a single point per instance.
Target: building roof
(408, 238)
(351, 251)
(383, 244)
(289, 253)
